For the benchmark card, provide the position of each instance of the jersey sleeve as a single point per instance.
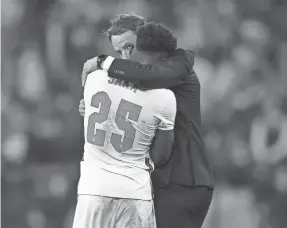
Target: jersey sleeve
(167, 112)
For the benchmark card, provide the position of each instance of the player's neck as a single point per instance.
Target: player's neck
(154, 57)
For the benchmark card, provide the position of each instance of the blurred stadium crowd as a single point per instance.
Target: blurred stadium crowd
(241, 48)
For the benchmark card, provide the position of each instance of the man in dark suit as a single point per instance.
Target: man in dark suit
(184, 185)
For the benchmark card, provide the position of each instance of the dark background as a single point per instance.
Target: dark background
(241, 48)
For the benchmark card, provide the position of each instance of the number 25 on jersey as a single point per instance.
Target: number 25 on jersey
(125, 110)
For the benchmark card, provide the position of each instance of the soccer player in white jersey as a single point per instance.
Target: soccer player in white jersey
(127, 130)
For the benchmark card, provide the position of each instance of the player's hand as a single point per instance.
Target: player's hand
(89, 67)
(82, 107)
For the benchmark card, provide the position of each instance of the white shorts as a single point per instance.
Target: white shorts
(106, 212)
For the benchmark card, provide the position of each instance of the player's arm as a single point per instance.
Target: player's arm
(164, 138)
(165, 73)
(162, 147)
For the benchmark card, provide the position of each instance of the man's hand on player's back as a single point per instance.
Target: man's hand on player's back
(89, 67)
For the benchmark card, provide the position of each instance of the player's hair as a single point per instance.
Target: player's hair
(123, 23)
(156, 37)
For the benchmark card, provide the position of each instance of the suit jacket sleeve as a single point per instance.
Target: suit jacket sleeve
(165, 73)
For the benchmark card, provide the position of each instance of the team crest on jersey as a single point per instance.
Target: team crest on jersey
(110, 127)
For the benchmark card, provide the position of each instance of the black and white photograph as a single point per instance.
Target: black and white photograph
(143, 114)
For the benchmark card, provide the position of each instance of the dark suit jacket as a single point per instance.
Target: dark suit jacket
(188, 164)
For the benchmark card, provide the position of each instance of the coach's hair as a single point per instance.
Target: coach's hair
(123, 23)
(156, 37)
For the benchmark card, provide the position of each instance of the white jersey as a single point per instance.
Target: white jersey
(120, 123)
